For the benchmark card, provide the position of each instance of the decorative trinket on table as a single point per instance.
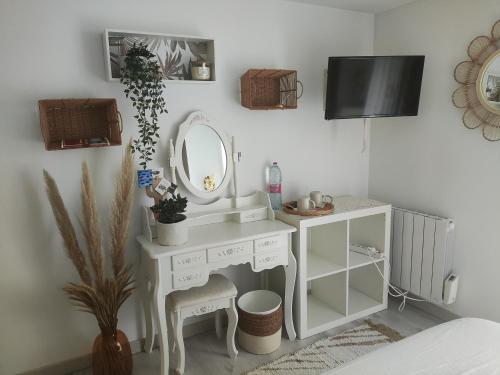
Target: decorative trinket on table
(162, 186)
(209, 183)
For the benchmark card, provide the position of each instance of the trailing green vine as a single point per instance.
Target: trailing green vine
(143, 80)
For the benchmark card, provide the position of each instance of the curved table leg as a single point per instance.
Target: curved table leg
(146, 299)
(148, 314)
(161, 320)
(232, 316)
(290, 275)
(179, 340)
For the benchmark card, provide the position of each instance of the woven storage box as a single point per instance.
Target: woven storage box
(73, 120)
(260, 317)
(269, 89)
(261, 325)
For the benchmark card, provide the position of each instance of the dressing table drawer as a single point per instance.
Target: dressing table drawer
(268, 260)
(270, 243)
(188, 278)
(248, 216)
(217, 254)
(189, 260)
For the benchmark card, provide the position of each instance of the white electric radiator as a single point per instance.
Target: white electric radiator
(421, 253)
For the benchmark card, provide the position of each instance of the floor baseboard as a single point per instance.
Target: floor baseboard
(434, 310)
(83, 362)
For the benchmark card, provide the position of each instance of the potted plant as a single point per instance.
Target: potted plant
(99, 292)
(171, 223)
(143, 80)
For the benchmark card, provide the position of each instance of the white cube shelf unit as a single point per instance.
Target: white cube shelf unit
(335, 286)
(174, 53)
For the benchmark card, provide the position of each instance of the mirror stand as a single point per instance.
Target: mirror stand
(236, 208)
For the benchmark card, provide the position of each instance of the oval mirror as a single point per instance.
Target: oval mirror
(488, 84)
(204, 158)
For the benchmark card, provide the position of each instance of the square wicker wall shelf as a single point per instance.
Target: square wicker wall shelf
(78, 123)
(264, 89)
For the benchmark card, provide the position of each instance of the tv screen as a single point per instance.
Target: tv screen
(379, 86)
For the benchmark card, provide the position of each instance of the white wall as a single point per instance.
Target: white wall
(432, 162)
(53, 49)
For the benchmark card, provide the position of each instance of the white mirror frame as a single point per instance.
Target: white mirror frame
(200, 118)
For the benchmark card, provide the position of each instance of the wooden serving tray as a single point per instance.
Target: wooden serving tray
(327, 209)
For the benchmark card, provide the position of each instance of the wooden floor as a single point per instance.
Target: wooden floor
(205, 355)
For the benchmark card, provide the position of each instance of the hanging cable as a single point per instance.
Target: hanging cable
(365, 135)
(394, 291)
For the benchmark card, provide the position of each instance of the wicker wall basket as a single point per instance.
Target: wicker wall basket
(77, 123)
(263, 89)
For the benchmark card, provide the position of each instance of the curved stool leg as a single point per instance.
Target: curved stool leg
(181, 355)
(218, 324)
(232, 315)
(172, 340)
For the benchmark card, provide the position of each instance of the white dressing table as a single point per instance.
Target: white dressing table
(230, 231)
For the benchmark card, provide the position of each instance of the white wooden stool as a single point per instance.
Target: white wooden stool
(218, 293)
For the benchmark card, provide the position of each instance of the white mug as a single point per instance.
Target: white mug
(319, 199)
(305, 204)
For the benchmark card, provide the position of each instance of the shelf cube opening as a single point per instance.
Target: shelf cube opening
(366, 287)
(328, 245)
(327, 299)
(368, 231)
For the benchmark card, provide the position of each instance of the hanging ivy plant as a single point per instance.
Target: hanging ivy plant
(143, 80)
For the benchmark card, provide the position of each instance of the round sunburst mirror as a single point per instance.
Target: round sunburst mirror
(479, 77)
(488, 83)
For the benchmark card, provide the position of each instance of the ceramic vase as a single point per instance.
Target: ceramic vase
(172, 234)
(111, 354)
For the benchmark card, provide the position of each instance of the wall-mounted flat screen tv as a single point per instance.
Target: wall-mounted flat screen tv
(376, 86)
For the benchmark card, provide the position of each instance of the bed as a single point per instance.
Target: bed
(464, 346)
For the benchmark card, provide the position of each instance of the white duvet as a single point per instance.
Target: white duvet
(463, 346)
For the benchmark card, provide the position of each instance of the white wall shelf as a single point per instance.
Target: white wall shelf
(174, 53)
(334, 285)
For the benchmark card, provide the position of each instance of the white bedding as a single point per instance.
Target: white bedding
(463, 346)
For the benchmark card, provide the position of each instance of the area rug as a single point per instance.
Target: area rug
(331, 352)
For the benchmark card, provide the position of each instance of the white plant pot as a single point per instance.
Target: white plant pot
(172, 234)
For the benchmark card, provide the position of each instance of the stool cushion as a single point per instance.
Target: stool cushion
(217, 287)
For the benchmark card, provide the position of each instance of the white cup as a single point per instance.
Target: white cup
(320, 199)
(305, 204)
